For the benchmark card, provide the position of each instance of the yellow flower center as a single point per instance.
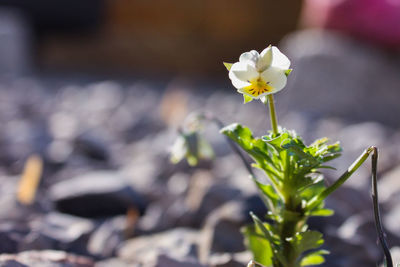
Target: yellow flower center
(257, 87)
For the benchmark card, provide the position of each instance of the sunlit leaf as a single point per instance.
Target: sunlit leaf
(247, 99)
(322, 212)
(314, 258)
(304, 241)
(258, 245)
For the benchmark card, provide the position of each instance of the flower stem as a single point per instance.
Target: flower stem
(272, 114)
(346, 175)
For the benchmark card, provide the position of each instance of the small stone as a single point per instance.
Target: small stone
(142, 126)
(221, 231)
(395, 251)
(106, 238)
(166, 261)
(359, 230)
(8, 200)
(205, 195)
(354, 140)
(11, 236)
(178, 243)
(12, 263)
(44, 258)
(115, 262)
(389, 186)
(391, 221)
(348, 253)
(96, 194)
(63, 125)
(59, 231)
(229, 260)
(330, 66)
(338, 201)
(92, 146)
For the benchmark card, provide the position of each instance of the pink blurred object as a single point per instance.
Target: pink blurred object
(374, 20)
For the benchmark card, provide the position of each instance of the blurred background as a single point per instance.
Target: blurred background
(92, 93)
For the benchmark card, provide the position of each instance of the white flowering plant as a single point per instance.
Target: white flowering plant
(296, 189)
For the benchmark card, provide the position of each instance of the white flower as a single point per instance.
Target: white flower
(257, 75)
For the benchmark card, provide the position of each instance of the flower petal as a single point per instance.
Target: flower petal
(249, 57)
(244, 93)
(279, 59)
(241, 73)
(265, 59)
(238, 83)
(275, 77)
(264, 99)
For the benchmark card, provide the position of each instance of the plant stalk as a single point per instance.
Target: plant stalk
(378, 222)
(272, 113)
(346, 175)
(288, 229)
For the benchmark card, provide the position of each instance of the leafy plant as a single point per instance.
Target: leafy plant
(293, 172)
(296, 189)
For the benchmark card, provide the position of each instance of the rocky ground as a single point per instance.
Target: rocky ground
(110, 197)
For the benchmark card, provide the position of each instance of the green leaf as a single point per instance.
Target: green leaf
(260, 225)
(319, 142)
(287, 72)
(228, 66)
(277, 140)
(258, 149)
(269, 196)
(323, 151)
(322, 212)
(314, 258)
(296, 147)
(311, 191)
(247, 99)
(269, 191)
(304, 241)
(258, 245)
(241, 135)
(289, 164)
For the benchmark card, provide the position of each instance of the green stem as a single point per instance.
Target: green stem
(288, 228)
(272, 114)
(346, 175)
